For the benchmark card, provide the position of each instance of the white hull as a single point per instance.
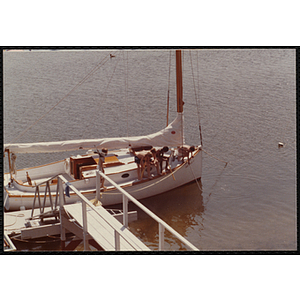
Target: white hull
(14, 198)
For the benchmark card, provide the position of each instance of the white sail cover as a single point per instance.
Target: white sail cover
(171, 136)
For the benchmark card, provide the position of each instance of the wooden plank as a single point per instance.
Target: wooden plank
(70, 226)
(40, 231)
(124, 245)
(102, 232)
(105, 239)
(131, 238)
(134, 241)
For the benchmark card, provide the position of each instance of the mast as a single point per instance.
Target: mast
(179, 82)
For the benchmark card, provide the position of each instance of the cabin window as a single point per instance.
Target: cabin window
(125, 175)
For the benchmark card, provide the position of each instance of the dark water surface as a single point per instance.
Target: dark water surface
(247, 104)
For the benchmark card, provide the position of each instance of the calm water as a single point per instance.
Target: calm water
(247, 104)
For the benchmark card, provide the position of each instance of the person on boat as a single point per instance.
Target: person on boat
(28, 179)
(143, 161)
(159, 158)
(184, 152)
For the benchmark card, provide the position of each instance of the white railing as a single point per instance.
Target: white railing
(85, 202)
(161, 224)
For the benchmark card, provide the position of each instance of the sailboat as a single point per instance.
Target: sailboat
(144, 166)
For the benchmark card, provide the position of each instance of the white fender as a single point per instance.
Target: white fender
(67, 165)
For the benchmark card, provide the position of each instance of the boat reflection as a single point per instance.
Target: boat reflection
(181, 208)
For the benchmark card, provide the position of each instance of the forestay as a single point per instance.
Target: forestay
(171, 136)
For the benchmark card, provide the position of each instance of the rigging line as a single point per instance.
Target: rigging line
(198, 75)
(214, 185)
(103, 61)
(109, 81)
(126, 85)
(126, 92)
(168, 96)
(200, 189)
(226, 163)
(182, 60)
(104, 97)
(198, 111)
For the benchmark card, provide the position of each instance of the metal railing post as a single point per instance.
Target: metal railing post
(117, 241)
(84, 222)
(125, 211)
(61, 203)
(97, 184)
(33, 206)
(161, 238)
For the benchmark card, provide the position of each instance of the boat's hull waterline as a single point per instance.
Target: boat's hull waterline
(18, 195)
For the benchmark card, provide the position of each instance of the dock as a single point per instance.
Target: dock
(94, 225)
(102, 229)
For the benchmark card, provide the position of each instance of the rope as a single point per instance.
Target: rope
(104, 97)
(198, 111)
(212, 188)
(168, 96)
(126, 88)
(109, 81)
(198, 74)
(200, 189)
(216, 157)
(17, 216)
(103, 61)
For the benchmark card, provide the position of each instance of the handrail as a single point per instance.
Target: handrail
(150, 213)
(49, 179)
(87, 202)
(126, 196)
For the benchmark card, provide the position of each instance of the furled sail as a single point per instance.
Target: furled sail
(171, 136)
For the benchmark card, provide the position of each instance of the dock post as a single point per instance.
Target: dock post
(161, 241)
(125, 211)
(61, 203)
(84, 222)
(117, 241)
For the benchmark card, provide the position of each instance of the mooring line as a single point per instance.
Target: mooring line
(226, 163)
(200, 189)
(212, 188)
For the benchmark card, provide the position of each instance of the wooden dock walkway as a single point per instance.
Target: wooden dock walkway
(101, 227)
(94, 225)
